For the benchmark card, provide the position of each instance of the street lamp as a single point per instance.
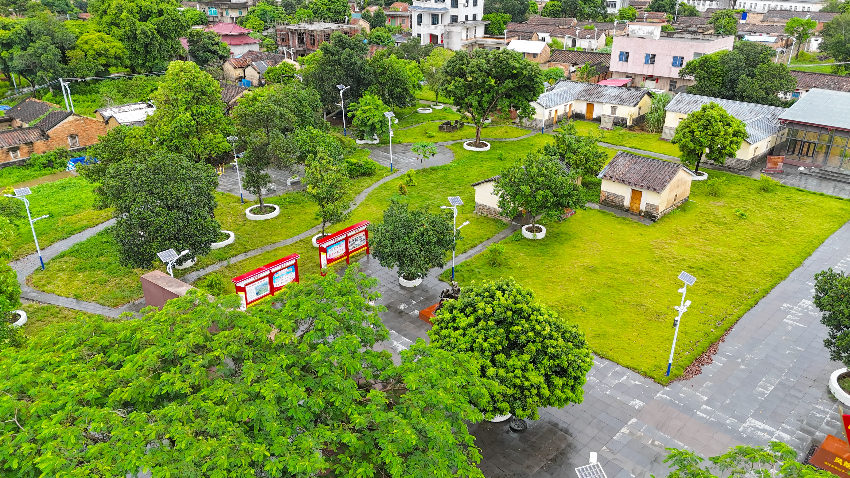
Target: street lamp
(455, 201)
(22, 194)
(342, 89)
(169, 257)
(232, 140)
(688, 280)
(390, 118)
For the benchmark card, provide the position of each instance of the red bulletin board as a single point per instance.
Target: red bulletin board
(341, 245)
(260, 283)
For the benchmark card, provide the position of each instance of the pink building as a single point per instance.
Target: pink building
(653, 58)
(236, 38)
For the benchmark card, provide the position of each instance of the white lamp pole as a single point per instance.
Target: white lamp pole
(681, 308)
(390, 117)
(22, 195)
(342, 89)
(455, 201)
(233, 140)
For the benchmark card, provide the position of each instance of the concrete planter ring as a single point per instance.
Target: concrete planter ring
(468, 145)
(836, 390)
(316, 239)
(22, 318)
(424, 110)
(437, 107)
(529, 234)
(500, 418)
(374, 140)
(187, 264)
(700, 176)
(218, 245)
(262, 217)
(409, 283)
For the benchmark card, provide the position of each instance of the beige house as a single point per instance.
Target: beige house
(761, 121)
(572, 99)
(644, 186)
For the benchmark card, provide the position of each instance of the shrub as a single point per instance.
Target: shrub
(360, 166)
(768, 184)
(409, 178)
(496, 254)
(402, 189)
(740, 213)
(714, 187)
(430, 134)
(214, 284)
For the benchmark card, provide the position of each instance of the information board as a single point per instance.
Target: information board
(265, 281)
(341, 245)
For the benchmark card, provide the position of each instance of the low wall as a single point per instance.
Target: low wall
(490, 211)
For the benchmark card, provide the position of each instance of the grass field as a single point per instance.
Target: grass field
(616, 278)
(806, 60)
(409, 116)
(632, 139)
(42, 316)
(13, 175)
(427, 94)
(431, 132)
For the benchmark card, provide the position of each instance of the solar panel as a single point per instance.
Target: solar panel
(455, 201)
(167, 256)
(22, 192)
(687, 278)
(593, 470)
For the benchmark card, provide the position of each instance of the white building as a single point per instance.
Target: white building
(454, 24)
(787, 5)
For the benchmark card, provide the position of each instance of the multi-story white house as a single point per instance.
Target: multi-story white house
(454, 24)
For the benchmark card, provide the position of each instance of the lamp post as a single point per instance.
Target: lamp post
(342, 89)
(681, 308)
(390, 117)
(169, 257)
(455, 201)
(22, 194)
(791, 52)
(232, 140)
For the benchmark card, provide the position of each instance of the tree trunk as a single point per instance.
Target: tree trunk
(696, 169)
(478, 135)
(797, 57)
(260, 198)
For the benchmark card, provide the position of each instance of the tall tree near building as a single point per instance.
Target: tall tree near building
(709, 133)
(433, 70)
(584, 9)
(552, 9)
(206, 48)
(395, 80)
(688, 10)
(36, 48)
(330, 10)
(497, 24)
(800, 29)
(836, 38)
(583, 154)
(517, 9)
(725, 22)
(483, 82)
(832, 298)
(369, 116)
(149, 29)
(378, 19)
(533, 9)
(413, 49)
(326, 182)
(586, 73)
(339, 61)
(189, 117)
(657, 115)
(321, 400)
(99, 52)
(628, 14)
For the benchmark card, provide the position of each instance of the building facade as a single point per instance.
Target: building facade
(305, 38)
(222, 11)
(817, 131)
(572, 99)
(653, 58)
(453, 24)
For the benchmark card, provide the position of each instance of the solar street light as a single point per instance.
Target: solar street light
(169, 257)
(455, 201)
(390, 117)
(21, 194)
(342, 89)
(681, 309)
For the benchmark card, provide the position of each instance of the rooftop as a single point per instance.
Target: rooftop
(640, 172)
(131, 114)
(526, 46)
(808, 80)
(29, 110)
(565, 91)
(225, 29)
(579, 57)
(786, 15)
(761, 121)
(52, 119)
(19, 136)
(821, 107)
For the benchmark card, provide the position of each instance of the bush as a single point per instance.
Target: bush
(496, 254)
(360, 166)
(768, 184)
(12, 208)
(402, 189)
(213, 284)
(409, 178)
(430, 134)
(714, 187)
(740, 213)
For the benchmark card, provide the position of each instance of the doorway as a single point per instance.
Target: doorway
(589, 111)
(634, 205)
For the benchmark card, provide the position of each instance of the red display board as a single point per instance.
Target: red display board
(260, 283)
(341, 245)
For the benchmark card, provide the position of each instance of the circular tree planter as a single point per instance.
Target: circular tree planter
(836, 390)
(500, 418)
(262, 217)
(487, 121)
(22, 318)
(529, 234)
(437, 107)
(187, 264)
(374, 140)
(700, 176)
(409, 283)
(316, 239)
(469, 146)
(518, 425)
(218, 245)
(424, 110)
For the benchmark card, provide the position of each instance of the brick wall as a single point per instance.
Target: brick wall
(656, 215)
(612, 200)
(87, 130)
(489, 211)
(25, 151)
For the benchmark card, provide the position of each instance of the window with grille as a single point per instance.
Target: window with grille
(453, 19)
(15, 153)
(73, 141)
(419, 19)
(649, 59)
(624, 56)
(678, 61)
(435, 19)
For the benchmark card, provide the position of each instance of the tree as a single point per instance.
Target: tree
(163, 201)
(583, 9)
(533, 9)
(775, 459)
(586, 73)
(628, 14)
(395, 80)
(282, 73)
(552, 9)
(149, 29)
(709, 132)
(424, 150)
(497, 24)
(339, 61)
(380, 36)
(664, 6)
(10, 290)
(326, 182)
(414, 50)
(207, 48)
(433, 70)
(330, 10)
(413, 240)
(582, 153)
(537, 185)
(122, 143)
(725, 22)
(553, 75)
(539, 359)
(517, 9)
(484, 81)
(832, 298)
(294, 391)
(377, 19)
(688, 10)
(836, 38)
(369, 116)
(801, 30)
(657, 114)
(36, 48)
(99, 50)
(193, 17)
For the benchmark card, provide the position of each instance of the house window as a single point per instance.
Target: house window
(534, 55)
(697, 55)
(795, 94)
(454, 3)
(673, 85)
(435, 19)
(466, 18)
(213, 12)
(419, 19)
(624, 56)
(73, 141)
(15, 153)
(474, 3)
(474, 17)
(678, 61)
(613, 111)
(240, 13)
(453, 19)
(801, 148)
(649, 59)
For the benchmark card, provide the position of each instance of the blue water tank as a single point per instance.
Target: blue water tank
(246, 83)
(743, 15)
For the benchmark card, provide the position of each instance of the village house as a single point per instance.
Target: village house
(305, 38)
(571, 99)
(817, 131)
(533, 51)
(131, 114)
(761, 122)
(807, 80)
(235, 37)
(238, 69)
(647, 187)
(571, 60)
(398, 14)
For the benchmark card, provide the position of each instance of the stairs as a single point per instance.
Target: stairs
(832, 174)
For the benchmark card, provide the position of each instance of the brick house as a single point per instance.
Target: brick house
(53, 128)
(305, 38)
(236, 69)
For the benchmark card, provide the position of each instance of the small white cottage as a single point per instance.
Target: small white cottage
(644, 186)
(486, 202)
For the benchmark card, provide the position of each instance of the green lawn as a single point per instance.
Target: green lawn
(616, 278)
(632, 139)
(70, 204)
(41, 316)
(804, 61)
(431, 132)
(409, 116)
(426, 94)
(13, 175)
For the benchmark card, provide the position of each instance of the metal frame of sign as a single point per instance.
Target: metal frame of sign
(265, 281)
(341, 245)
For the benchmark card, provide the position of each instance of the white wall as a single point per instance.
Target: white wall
(484, 194)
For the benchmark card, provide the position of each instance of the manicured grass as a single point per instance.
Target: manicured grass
(806, 59)
(13, 175)
(431, 132)
(616, 278)
(426, 94)
(40, 317)
(70, 204)
(632, 139)
(409, 116)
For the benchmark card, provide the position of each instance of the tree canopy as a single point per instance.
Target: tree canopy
(628, 14)
(497, 24)
(201, 388)
(800, 29)
(832, 297)
(432, 68)
(207, 48)
(579, 9)
(517, 9)
(539, 359)
(585, 157)
(339, 61)
(369, 116)
(774, 459)
(709, 132)
(327, 185)
(725, 22)
(394, 80)
(836, 37)
(330, 10)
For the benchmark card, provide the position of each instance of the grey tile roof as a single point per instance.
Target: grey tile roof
(785, 15)
(761, 120)
(18, 136)
(29, 110)
(807, 80)
(821, 107)
(52, 119)
(565, 91)
(640, 172)
(494, 178)
(579, 57)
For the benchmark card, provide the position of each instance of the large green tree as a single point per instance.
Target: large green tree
(149, 29)
(628, 14)
(433, 69)
(836, 38)
(207, 48)
(832, 297)
(725, 22)
(369, 116)
(539, 359)
(709, 133)
(413, 49)
(37, 48)
(585, 157)
(326, 181)
(189, 116)
(394, 80)
(483, 82)
(497, 24)
(517, 9)
(800, 29)
(657, 114)
(95, 54)
(201, 388)
(162, 201)
(330, 10)
(10, 290)
(341, 61)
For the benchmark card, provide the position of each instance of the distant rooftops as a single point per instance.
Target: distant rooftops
(807, 80)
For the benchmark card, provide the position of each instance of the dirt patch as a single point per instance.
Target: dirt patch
(695, 368)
